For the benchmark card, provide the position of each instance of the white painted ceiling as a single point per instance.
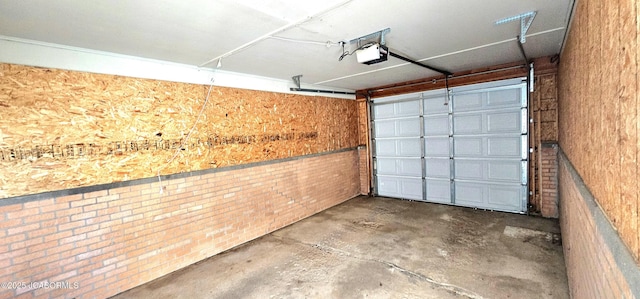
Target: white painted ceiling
(284, 38)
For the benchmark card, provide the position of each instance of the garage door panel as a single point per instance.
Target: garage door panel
(397, 128)
(399, 167)
(504, 171)
(436, 125)
(394, 110)
(435, 106)
(468, 102)
(409, 188)
(470, 169)
(382, 111)
(468, 124)
(408, 108)
(505, 197)
(509, 97)
(408, 127)
(488, 100)
(386, 166)
(385, 128)
(488, 122)
(468, 146)
(504, 122)
(409, 167)
(409, 147)
(437, 147)
(505, 147)
(470, 193)
(438, 190)
(388, 186)
(438, 168)
(487, 195)
(488, 146)
(385, 147)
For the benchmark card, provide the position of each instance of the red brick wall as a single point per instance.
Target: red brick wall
(591, 264)
(365, 173)
(111, 240)
(549, 180)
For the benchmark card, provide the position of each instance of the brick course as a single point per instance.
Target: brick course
(548, 180)
(365, 173)
(592, 269)
(112, 240)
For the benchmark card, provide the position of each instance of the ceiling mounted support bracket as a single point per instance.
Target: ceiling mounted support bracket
(321, 91)
(376, 34)
(525, 22)
(524, 55)
(296, 80)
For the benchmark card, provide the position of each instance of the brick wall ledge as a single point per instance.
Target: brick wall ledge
(623, 258)
(79, 190)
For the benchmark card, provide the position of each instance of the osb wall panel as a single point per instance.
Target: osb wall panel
(63, 129)
(363, 123)
(599, 108)
(545, 107)
(363, 150)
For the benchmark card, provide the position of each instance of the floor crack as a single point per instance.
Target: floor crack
(443, 285)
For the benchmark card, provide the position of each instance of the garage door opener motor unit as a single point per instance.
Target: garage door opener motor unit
(373, 53)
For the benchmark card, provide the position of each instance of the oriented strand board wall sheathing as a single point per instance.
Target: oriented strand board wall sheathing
(599, 108)
(63, 129)
(548, 107)
(608, 122)
(628, 118)
(363, 134)
(363, 121)
(637, 97)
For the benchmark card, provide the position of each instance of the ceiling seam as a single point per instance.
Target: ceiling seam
(440, 56)
(279, 30)
(89, 51)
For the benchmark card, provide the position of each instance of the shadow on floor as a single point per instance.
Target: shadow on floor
(383, 248)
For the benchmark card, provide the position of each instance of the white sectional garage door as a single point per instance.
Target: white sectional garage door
(399, 149)
(469, 151)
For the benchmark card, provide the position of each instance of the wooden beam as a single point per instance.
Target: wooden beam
(480, 75)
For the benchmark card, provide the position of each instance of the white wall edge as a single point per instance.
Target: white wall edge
(48, 55)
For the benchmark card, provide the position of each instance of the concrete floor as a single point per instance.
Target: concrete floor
(383, 248)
